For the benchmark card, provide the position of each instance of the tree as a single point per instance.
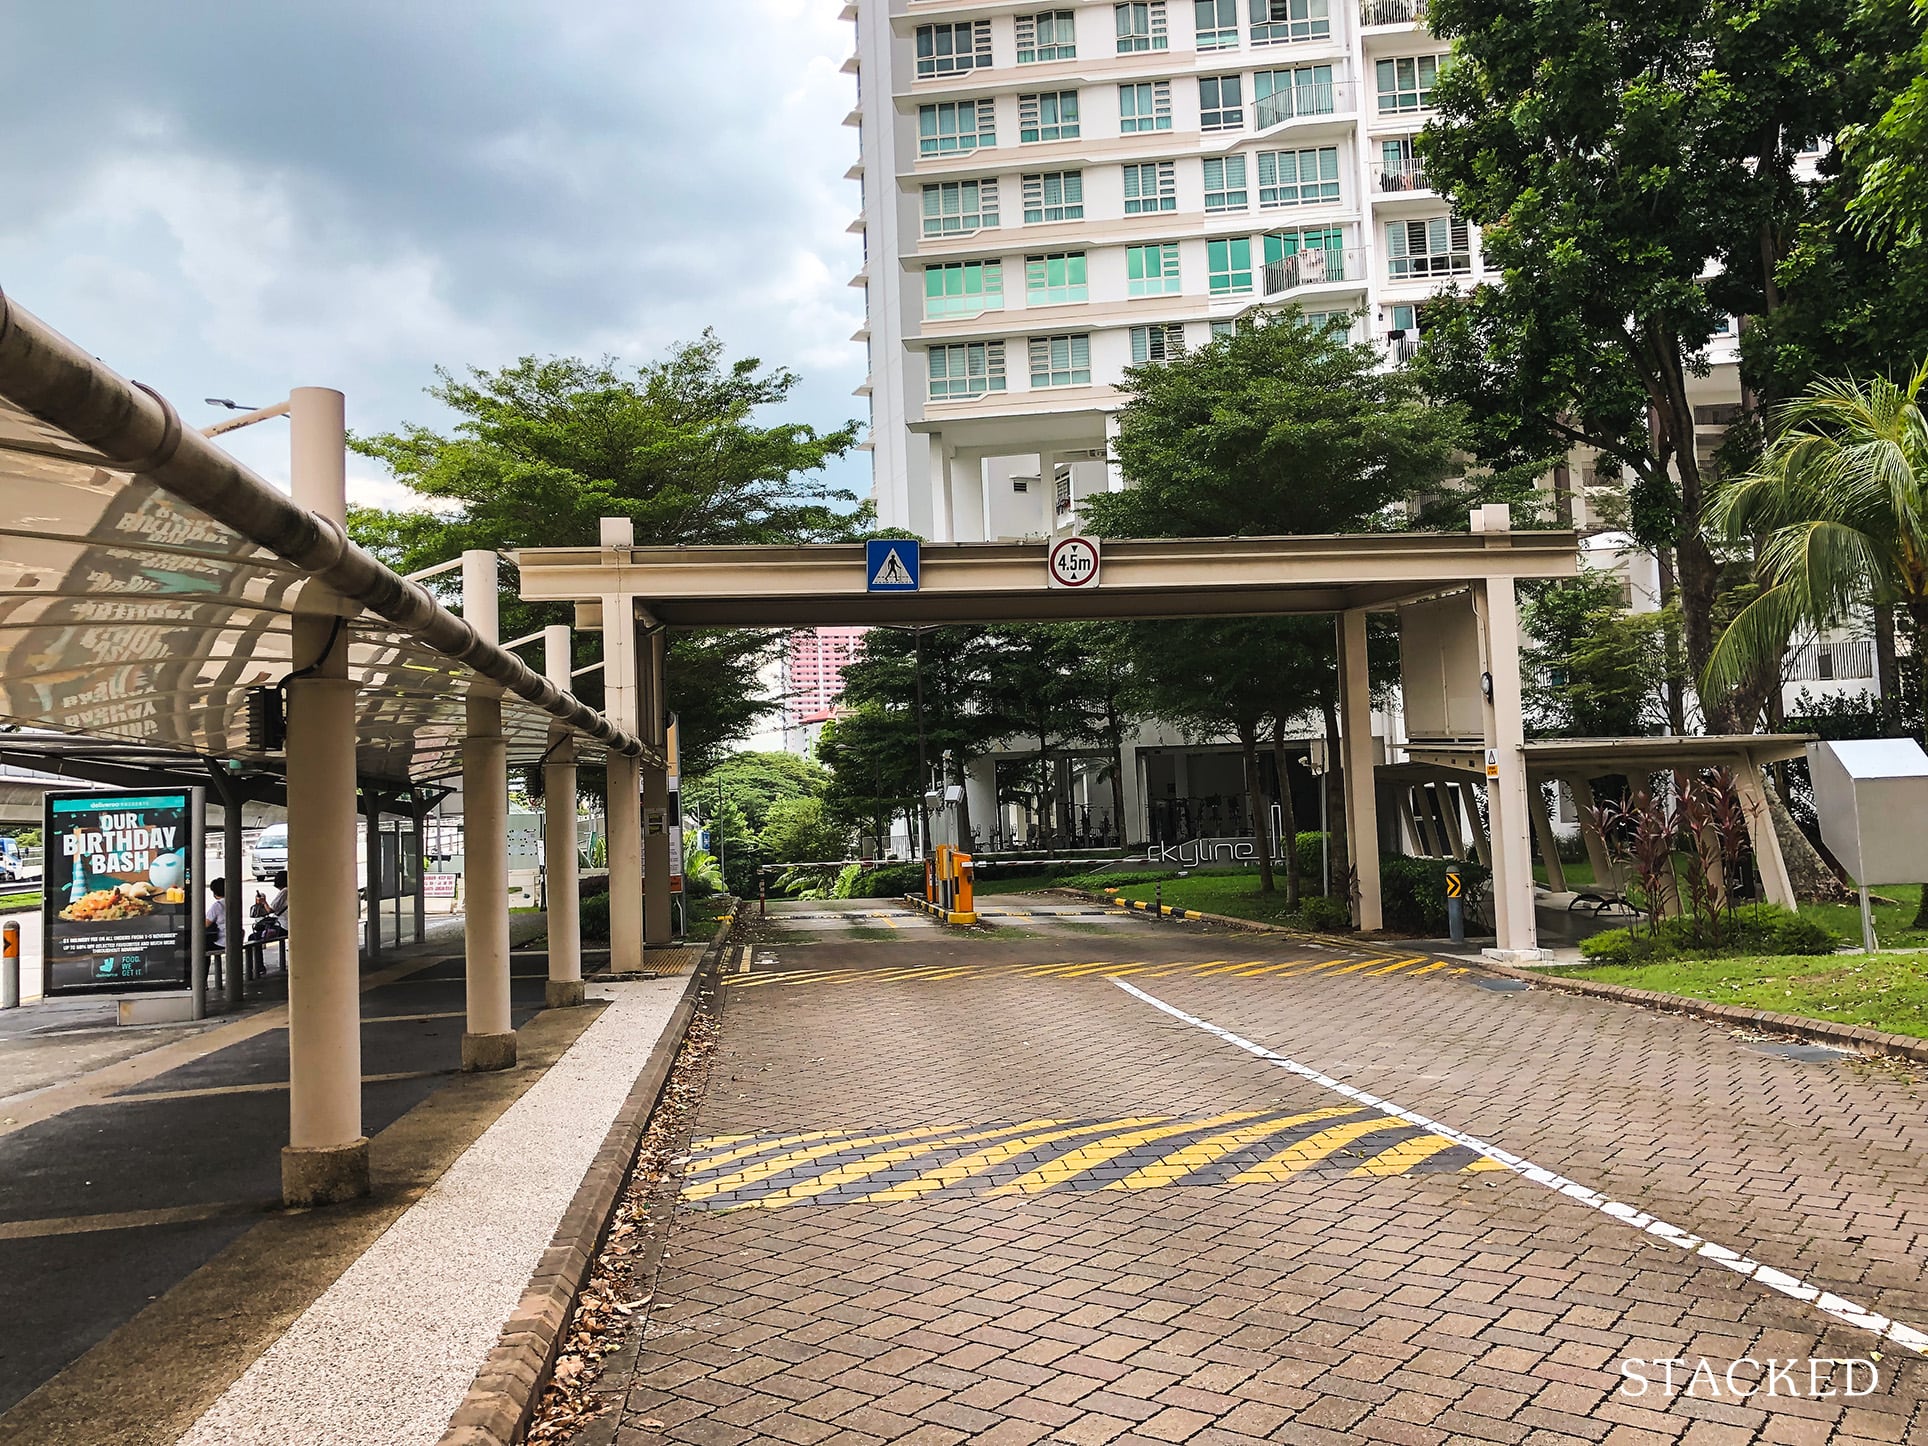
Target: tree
(798, 831)
(1612, 155)
(543, 448)
(1840, 501)
(1891, 154)
(1281, 427)
(1593, 670)
(873, 770)
(755, 781)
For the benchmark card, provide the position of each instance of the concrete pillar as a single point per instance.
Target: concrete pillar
(371, 875)
(1543, 831)
(1496, 606)
(1048, 502)
(1114, 474)
(489, 1042)
(625, 819)
(1768, 858)
(659, 926)
(943, 513)
(1355, 727)
(564, 988)
(1474, 829)
(326, 1159)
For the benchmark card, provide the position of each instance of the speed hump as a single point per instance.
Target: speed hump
(1073, 562)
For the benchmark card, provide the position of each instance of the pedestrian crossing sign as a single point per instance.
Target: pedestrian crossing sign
(893, 565)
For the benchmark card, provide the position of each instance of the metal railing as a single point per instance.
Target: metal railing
(1402, 346)
(1396, 176)
(1821, 662)
(1319, 266)
(1392, 12)
(1299, 102)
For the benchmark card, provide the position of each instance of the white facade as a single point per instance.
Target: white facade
(1050, 194)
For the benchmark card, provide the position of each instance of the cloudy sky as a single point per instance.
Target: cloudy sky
(230, 200)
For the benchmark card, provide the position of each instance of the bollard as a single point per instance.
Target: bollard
(1158, 901)
(763, 896)
(10, 966)
(1455, 905)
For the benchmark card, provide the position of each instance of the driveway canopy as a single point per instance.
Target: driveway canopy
(148, 581)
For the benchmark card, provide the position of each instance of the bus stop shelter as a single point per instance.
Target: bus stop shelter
(150, 584)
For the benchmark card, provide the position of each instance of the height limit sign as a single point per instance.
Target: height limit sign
(1074, 562)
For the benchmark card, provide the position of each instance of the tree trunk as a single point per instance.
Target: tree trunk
(1255, 801)
(1289, 830)
(1335, 799)
(1118, 786)
(1918, 613)
(1807, 871)
(1887, 668)
(1676, 700)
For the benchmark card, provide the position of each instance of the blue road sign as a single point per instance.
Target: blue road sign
(892, 565)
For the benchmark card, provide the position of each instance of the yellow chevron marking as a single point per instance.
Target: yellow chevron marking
(1355, 968)
(1482, 1163)
(1038, 971)
(1083, 970)
(1314, 1148)
(994, 1155)
(1214, 966)
(873, 1164)
(1403, 1156)
(1395, 967)
(1056, 1172)
(760, 1143)
(1428, 969)
(764, 1169)
(1200, 1153)
(1269, 969)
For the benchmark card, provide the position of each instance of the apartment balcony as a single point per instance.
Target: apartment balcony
(1334, 266)
(1303, 102)
(1392, 12)
(1401, 346)
(1401, 178)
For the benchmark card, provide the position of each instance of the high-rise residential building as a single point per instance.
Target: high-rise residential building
(1052, 194)
(814, 660)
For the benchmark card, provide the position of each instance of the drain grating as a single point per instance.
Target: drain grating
(1503, 986)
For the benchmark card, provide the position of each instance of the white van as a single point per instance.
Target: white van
(271, 851)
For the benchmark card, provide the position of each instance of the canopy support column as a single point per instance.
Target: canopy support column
(1355, 730)
(1496, 606)
(326, 1159)
(564, 988)
(659, 927)
(234, 919)
(489, 1041)
(1543, 833)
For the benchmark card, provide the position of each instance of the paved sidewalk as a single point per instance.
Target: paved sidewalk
(971, 1188)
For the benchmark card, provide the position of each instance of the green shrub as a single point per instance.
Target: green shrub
(1751, 929)
(595, 919)
(1322, 915)
(1103, 879)
(1311, 860)
(1412, 892)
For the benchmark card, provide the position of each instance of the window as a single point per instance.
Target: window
(1141, 27)
(1054, 280)
(1223, 328)
(1157, 343)
(1060, 361)
(1152, 270)
(1228, 265)
(1403, 317)
(1048, 35)
(1438, 247)
(1145, 107)
(1280, 95)
(953, 126)
(963, 288)
(1275, 22)
(953, 49)
(1305, 257)
(1407, 84)
(1216, 22)
(1336, 323)
(1150, 186)
(1399, 168)
(1052, 116)
(1298, 178)
(1220, 107)
(966, 371)
(954, 208)
(1225, 183)
(1054, 196)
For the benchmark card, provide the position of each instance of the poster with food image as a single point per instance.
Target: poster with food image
(120, 874)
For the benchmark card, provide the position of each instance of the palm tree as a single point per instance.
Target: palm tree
(1840, 503)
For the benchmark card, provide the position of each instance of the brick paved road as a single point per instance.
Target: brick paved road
(953, 1187)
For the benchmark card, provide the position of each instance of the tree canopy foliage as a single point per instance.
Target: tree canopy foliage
(541, 449)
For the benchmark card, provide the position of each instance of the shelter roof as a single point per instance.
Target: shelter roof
(1561, 756)
(129, 612)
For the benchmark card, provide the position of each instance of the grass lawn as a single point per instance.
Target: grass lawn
(14, 903)
(1234, 893)
(1882, 991)
(1578, 875)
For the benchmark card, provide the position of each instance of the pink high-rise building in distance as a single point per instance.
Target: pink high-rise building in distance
(813, 667)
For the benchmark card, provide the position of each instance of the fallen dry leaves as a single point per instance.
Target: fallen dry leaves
(616, 1298)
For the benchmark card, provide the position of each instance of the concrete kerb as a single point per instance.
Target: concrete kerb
(503, 1397)
(943, 916)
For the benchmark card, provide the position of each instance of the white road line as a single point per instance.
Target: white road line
(1829, 1304)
